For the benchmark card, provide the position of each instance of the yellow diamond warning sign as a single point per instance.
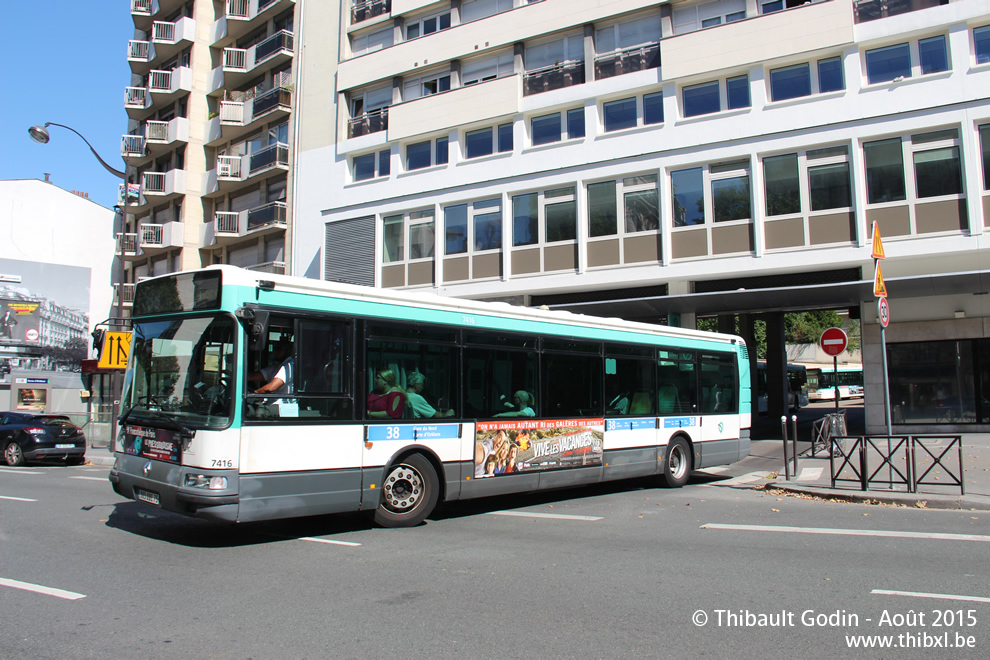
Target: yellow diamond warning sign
(879, 288)
(116, 346)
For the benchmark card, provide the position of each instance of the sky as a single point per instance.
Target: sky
(64, 61)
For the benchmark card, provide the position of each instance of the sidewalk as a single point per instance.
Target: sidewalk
(765, 468)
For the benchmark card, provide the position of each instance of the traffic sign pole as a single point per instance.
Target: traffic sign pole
(883, 312)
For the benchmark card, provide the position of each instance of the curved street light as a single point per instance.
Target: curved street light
(40, 135)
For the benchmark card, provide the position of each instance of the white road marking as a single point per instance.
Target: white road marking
(848, 532)
(715, 470)
(17, 499)
(555, 516)
(316, 540)
(90, 478)
(921, 594)
(39, 589)
(810, 474)
(15, 471)
(742, 479)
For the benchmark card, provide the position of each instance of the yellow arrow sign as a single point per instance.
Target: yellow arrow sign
(877, 243)
(116, 346)
(879, 288)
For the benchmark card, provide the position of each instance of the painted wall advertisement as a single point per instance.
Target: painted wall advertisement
(530, 445)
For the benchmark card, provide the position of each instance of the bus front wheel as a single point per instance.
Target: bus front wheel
(677, 466)
(409, 493)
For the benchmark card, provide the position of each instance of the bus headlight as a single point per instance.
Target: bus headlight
(205, 481)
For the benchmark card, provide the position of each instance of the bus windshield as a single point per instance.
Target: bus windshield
(181, 370)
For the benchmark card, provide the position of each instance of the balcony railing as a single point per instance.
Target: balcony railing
(164, 32)
(136, 97)
(270, 100)
(276, 154)
(235, 59)
(554, 76)
(152, 235)
(126, 243)
(227, 222)
(369, 122)
(229, 167)
(366, 9)
(281, 40)
(871, 10)
(272, 213)
(273, 267)
(124, 293)
(238, 8)
(142, 7)
(132, 145)
(160, 81)
(153, 182)
(231, 112)
(629, 60)
(156, 130)
(139, 50)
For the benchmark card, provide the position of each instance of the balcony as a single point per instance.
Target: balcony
(140, 52)
(136, 98)
(629, 60)
(229, 226)
(277, 155)
(872, 10)
(369, 122)
(132, 146)
(240, 64)
(240, 15)
(142, 11)
(239, 169)
(157, 186)
(170, 83)
(169, 38)
(160, 237)
(126, 245)
(123, 294)
(367, 9)
(555, 76)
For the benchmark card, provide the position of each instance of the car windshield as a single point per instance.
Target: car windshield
(181, 371)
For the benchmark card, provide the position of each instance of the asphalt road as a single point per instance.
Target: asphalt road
(617, 571)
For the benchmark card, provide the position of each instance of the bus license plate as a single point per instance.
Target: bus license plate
(147, 496)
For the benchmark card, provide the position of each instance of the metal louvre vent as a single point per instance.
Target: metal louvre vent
(349, 251)
(780, 281)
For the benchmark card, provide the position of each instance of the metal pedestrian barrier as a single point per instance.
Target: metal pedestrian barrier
(893, 461)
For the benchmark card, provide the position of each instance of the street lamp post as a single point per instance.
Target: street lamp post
(41, 135)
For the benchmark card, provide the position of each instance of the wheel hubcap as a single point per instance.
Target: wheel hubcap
(678, 464)
(403, 487)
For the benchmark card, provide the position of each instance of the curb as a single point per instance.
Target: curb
(931, 500)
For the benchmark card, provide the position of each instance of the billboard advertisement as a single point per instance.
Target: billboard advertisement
(19, 321)
(530, 445)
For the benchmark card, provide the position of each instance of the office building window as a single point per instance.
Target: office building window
(423, 26)
(707, 98)
(365, 165)
(426, 154)
(884, 171)
(885, 64)
(414, 229)
(478, 143)
(937, 168)
(486, 68)
(653, 108)
(553, 210)
(575, 123)
(731, 199)
(933, 55)
(633, 198)
(828, 178)
(474, 227)
(505, 138)
(737, 92)
(985, 154)
(783, 184)
(619, 114)
(546, 129)
(790, 82)
(981, 44)
(827, 173)
(830, 78)
(425, 86)
(714, 193)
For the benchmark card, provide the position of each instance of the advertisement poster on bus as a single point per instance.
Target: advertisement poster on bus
(530, 445)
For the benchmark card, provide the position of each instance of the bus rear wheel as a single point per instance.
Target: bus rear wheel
(409, 493)
(677, 465)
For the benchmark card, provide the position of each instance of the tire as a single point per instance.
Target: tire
(677, 463)
(13, 454)
(409, 493)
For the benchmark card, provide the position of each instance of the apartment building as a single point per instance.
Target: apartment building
(208, 142)
(663, 161)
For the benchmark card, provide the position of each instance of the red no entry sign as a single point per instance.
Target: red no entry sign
(833, 341)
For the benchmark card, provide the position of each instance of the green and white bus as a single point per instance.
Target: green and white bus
(392, 401)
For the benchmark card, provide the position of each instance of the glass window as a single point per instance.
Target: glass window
(885, 64)
(478, 143)
(443, 152)
(677, 382)
(572, 385)
(935, 382)
(937, 172)
(487, 224)
(575, 123)
(884, 171)
(830, 75)
(790, 82)
(601, 209)
(737, 92)
(783, 187)
(385, 162)
(642, 210)
(505, 138)
(546, 129)
(629, 386)
(933, 55)
(688, 193)
(493, 377)
(620, 114)
(701, 99)
(418, 155)
(425, 375)
(981, 44)
(525, 219)
(421, 235)
(561, 214)
(731, 198)
(719, 384)
(653, 108)
(393, 248)
(364, 167)
(486, 68)
(985, 153)
(772, 6)
(829, 186)
(455, 229)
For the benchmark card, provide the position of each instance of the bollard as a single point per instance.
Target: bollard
(794, 451)
(787, 462)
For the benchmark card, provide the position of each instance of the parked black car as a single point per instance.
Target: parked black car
(31, 437)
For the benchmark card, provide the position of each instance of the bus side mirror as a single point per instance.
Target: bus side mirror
(256, 323)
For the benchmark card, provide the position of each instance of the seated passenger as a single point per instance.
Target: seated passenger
(523, 406)
(386, 400)
(417, 404)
